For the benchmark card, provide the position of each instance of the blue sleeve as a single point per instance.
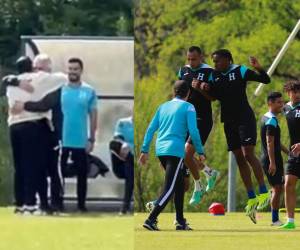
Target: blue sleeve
(153, 126)
(92, 105)
(271, 122)
(271, 125)
(193, 130)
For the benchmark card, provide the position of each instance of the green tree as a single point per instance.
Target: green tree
(60, 17)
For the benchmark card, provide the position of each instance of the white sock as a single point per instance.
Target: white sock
(207, 171)
(291, 220)
(197, 185)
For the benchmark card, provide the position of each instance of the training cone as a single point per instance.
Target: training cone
(216, 209)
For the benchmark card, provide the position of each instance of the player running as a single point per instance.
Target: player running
(271, 159)
(173, 120)
(292, 112)
(228, 84)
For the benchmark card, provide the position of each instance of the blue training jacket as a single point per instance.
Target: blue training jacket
(173, 120)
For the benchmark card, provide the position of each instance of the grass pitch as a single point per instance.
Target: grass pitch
(234, 231)
(69, 232)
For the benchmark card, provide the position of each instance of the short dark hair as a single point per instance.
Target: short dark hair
(272, 96)
(195, 49)
(225, 53)
(292, 85)
(181, 88)
(24, 64)
(76, 60)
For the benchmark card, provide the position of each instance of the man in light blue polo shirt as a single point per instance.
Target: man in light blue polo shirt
(79, 107)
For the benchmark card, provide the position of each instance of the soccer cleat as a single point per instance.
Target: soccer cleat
(288, 226)
(211, 180)
(150, 206)
(196, 197)
(277, 223)
(251, 209)
(252, 216)
(151, 226)
(184, 226)
(263, 200)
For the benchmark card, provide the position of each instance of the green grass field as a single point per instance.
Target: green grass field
(69, 232)
(233, 231)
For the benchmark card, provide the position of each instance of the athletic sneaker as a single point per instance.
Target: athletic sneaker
(151, 226)
(277, 223)
(251, 209)
(196, 197)
(150, 206)
(263, 200)
(288, 225)
(46, 210)
(56, 210)
(82, 209)
(19, 210)
(32, 211)
(211, 180)
(184, 226)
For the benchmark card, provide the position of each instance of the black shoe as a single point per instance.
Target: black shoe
(47, 211)
(183, 226)
(19, 210)
(82, 209)
(32, 210)
(122, 213)
(44, 207)
(57, 207)
(125, 212)
(152, 226)
(55, 210)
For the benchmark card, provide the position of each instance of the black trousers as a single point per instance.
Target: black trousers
(129, 182)
(28, 140)
(174, 183)
(54, 170)
(79, 157)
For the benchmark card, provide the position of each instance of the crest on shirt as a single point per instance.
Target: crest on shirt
(83, 95)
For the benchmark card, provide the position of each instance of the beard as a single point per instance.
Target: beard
(73, 77)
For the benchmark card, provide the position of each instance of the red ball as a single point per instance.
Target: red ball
(216, 209)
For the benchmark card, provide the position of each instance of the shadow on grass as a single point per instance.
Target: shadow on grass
(86, 215)
(72, 214)
(274, 231)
